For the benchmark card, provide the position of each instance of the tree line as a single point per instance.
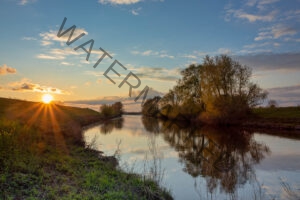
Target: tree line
(110, 111)
(218, 90)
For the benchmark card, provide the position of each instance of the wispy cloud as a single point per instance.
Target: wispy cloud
(65, 52)
(260, 4)
(292, 15)
(256, 45)
(157, 73)
(50, 57)
(94, 73)
(119, 2)
(268, 62)
(241, 14)
(149, 73)
(26, 85)
(49, 37)
(281, 30)
(166, 56)
(161, 54)
(278, 26)
(24, 2)
(224, 51)
(195, 55)
(4, 69)
(29, 38)
(136, 11)
(59, 54)
(66, 63)
(145, 53)
(252, 11)
(125, 99)
(275, 32)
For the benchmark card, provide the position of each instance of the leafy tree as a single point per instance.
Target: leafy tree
(219, 88)
(151, 106)
(113, 110)
(118, 108)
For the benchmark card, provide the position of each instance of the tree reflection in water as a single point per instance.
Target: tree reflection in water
(108, 126)
(225, 158)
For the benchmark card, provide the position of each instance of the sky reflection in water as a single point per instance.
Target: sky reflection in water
(203, 163)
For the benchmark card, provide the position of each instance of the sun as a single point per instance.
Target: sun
(47, 98)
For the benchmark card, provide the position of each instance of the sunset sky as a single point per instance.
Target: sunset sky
(154, 39)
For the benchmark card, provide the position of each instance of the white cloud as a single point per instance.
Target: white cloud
(161, 54)
(119, 2)
(145, 53)
(50, 57)
(7, 70)
(24, 2)
(263, 3)
(51, 36)
(166, 56)
(195, 55)
(65, 52)
(46, 43)
(66, 63)
(224, 51)
(94, 73)
(136, 11)
(251, 2)
(281, 30)
(190, 56)
(275, 32)
(156, 73)
(260, 4)
(292, 15)
(255, 17)
(100, 53)
(150, 73)
(260, 12)
(263, 36)
(59, 54)
(26, 85)
(251, 46)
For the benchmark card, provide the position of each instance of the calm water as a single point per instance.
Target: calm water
(203, 163)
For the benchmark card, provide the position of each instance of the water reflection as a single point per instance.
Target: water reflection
(108, 126)
(224, 158)
(223, 164)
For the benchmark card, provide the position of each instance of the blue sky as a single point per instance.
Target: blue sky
(152, 38)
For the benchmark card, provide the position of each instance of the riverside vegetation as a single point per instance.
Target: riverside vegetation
(43, 156)
(219, 91)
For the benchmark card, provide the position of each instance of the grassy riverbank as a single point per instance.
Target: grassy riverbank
(42, 156)
(284, 118)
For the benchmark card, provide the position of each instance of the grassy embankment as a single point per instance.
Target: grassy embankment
(42, 156)
(284, 118)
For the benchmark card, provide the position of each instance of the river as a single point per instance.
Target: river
(202, 163)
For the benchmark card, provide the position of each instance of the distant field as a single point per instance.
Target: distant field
(278, 113)
(287, 118)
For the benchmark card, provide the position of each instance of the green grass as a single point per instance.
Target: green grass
(278, 113)
(276, 119)
(42, 160)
